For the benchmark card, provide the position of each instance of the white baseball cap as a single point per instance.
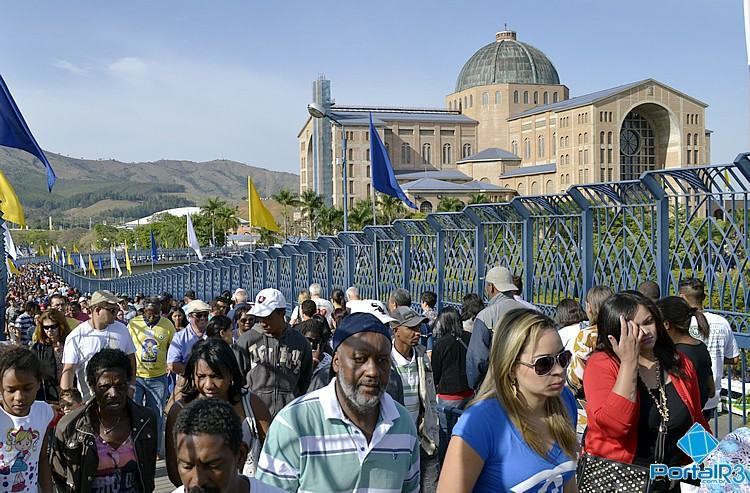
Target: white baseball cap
(267, 301)
(501, 278)
(373, 307)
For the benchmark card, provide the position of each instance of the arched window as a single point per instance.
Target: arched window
(425, 207)
(515, 97)
(601, 138)
(536, 97)
(521, 189)
(447, 155)
(695, 139)
(485, 99)
(554, 143)
(580, 139)
(567, 140)
(526, 97)
(580, 156)
(562, 142)
(585, 156)
(567, 160)
(585, 137)
(534, 188)
(450, 105)
(367, 154)
(514, 147)
(466, 101)
(546, 97)
(540, 146)
(405, 153)
(427, 153)
(548, 187)
(554, 97)
(498, 97)
(471, 100)
(689, 139)
(609, 138)
(466, 151)
(526, 149)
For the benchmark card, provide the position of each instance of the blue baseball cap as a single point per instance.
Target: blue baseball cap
(356, 323)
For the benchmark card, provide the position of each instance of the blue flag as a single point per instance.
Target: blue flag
(153, 247)
(383, 179)
(101, 267)
(15, 133)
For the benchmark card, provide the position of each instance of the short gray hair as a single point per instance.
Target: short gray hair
(352, 292)
(315, 289)
(401, 297)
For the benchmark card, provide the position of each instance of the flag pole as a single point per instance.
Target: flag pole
(374, 207)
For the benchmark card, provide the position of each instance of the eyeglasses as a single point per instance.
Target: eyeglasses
(50, 328)
(200, 315)
(113, 311)
(314, 343)
(544, 364)
(246, 320)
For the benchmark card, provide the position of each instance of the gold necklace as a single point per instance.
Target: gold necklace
(661, 401)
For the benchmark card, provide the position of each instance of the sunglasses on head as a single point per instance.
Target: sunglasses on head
(544, 364)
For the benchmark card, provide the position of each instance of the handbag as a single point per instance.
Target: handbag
(598, 475)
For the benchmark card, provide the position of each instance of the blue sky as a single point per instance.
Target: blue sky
(143, 80)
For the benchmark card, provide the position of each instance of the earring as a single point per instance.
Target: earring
(514, 387)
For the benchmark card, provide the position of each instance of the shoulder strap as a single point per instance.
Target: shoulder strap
(461, 341)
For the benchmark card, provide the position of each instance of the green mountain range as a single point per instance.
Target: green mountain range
(112, 191)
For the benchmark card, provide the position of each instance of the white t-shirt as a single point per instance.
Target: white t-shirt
(568, 335)
(85, 341)
(721, 344)
(21, 441)
(255, 487)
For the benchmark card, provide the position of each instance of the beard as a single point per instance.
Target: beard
(359, 402)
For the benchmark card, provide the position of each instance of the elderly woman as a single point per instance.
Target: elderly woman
(51, 330)
(110, 443)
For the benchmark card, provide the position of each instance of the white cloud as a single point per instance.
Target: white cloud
(129, 68)
(69, 66)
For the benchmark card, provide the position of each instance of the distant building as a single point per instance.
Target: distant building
(509, 127)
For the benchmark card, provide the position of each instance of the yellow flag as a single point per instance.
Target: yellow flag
(11, 266)
(10, 205)
(75, 249)
(41, 247)
(127, 259)
(70, 259)
(91, 266)
(258, 215)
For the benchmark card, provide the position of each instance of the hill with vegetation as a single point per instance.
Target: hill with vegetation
(112, 191)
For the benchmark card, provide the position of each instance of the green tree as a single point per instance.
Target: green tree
(226, 220)
(360, 215)
(286, 199)
(267, 237)
(389, 208)
(478, 198)
(330, 220)
(450, 204)
(211, 209)
(310, 204)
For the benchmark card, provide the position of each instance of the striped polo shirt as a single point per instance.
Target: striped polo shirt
(312, 447)
(408, 370)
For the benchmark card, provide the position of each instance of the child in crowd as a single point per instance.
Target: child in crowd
(70, 400)
(23, 424)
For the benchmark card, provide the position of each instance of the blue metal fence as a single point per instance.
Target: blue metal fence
(666, 226)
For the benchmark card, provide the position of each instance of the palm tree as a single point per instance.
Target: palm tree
(390, 208)
(267, 237)
(450, 204)
(286, 198)
(360, 215)
(311, 203)
(210, 209)
(478, 198)
(330, 220)
(226, 220)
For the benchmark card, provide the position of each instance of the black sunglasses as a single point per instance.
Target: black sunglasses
(544, 364)
(314, 343)
(51, 327)
(113, 311)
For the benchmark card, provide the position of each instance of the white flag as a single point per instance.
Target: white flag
(10, 247)
(81, 263)
(192, 239)
(113, 261)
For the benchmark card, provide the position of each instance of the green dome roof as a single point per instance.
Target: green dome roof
(507, 60)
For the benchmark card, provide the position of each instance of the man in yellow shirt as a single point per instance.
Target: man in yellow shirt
(152, 334)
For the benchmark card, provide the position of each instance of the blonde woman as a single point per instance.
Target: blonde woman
(296, 316)
(519, 432)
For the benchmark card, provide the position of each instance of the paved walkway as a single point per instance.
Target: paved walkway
(163, 485)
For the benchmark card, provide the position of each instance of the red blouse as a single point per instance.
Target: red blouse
(612, 431)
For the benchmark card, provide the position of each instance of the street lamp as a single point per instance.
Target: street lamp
(318, 111)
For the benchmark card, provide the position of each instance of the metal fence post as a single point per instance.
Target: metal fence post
(662, 230)
(587, 246)
(527, 255)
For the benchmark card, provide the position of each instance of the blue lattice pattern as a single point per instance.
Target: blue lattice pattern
(501, 228)
(320, 272)
(459, 254)
(338, 267)
(301, 280)
(557, 238)
(257, 275)
(247, 278)
(285, 283)
(389, 270)
(422, 241)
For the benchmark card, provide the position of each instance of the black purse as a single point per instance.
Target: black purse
(598, 475)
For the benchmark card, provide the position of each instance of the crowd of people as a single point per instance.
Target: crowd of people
(350, 394)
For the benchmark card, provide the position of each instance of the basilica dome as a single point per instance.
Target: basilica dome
(507, 60)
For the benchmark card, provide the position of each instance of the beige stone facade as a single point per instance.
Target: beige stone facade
(511, 123)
